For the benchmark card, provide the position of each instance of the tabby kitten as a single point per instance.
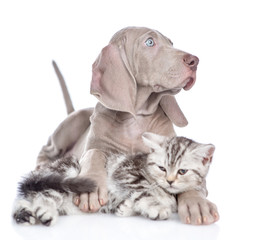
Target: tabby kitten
(142, 184)
(146, 184)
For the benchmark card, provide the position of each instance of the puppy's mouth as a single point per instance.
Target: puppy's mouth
(185, 84)
(189, 82)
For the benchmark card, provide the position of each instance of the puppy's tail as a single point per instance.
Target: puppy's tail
(65, 91)
(35, 183)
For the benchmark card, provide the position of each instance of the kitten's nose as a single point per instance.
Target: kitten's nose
(170, 182)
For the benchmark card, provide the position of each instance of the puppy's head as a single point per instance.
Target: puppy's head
(140, 57)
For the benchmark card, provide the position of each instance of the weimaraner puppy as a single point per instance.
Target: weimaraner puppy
(134, 78)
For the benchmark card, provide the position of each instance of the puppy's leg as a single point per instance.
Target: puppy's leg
(194, 208)
(93, 167)
(65, 136)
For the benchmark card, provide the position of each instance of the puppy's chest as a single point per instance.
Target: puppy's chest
(121, 134)
(128, 134)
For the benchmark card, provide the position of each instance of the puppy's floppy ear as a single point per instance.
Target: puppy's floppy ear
(171, 108)
(112, 82)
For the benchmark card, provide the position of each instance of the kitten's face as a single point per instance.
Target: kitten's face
(177, 164)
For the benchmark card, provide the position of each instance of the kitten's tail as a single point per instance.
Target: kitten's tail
(35, 183)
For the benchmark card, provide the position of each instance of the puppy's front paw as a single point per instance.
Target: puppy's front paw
(93, 168)
(91, 202)
(197, 211)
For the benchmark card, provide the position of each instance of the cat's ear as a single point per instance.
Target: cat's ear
(153, 141)
(207, 151)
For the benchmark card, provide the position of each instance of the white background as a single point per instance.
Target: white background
(232, 105)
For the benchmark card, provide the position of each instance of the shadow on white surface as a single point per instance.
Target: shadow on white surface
(99, 226)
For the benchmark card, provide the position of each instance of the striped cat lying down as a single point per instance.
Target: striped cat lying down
(142, 184)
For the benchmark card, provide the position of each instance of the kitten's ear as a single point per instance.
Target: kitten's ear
(153, 141)
(207, 153)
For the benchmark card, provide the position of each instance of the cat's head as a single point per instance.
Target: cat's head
(177, 164)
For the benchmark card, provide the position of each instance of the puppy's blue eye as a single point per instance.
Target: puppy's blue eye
(149, 42)
(182, 171)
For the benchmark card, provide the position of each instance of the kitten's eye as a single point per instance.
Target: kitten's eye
(182, 171)
(162, 168)
(149, 42)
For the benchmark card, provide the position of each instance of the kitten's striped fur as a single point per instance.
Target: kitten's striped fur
(142, 184)
(47, 193)
(146, 184)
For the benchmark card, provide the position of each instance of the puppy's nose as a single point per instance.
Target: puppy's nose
(191, 61)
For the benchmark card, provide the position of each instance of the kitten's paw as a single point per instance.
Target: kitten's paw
(197, 211)
(155, 213)
(23, 214)
(47, 216)
(164, 214)
(125, 209)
